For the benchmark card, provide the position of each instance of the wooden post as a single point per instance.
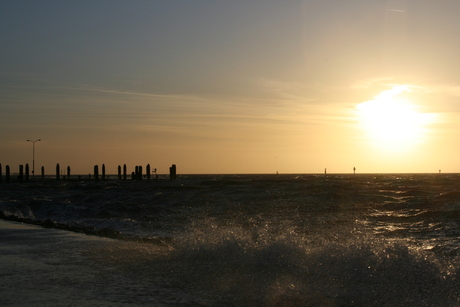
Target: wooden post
(103, 171)
(172, 172)
(27, 172)
(124, 171)
(96, 172)
(43, 172)
(21, 173)
(119, 172)
(68, 172)
(133, 175)
(147, 171)
(139, 175)
(7, 174)
(58, 172)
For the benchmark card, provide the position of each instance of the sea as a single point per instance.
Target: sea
(261, 240)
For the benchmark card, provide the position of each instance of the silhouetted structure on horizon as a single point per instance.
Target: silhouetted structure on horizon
(58, 171)
(96, 172)
(23, 174)
(172, 172)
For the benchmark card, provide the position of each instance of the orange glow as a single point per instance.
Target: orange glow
(393, 122)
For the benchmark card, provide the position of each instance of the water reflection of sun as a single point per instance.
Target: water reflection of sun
(392, 121)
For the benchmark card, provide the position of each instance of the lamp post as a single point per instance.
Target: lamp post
(33, 156)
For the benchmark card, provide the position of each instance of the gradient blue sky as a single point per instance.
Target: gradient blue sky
(226, 86)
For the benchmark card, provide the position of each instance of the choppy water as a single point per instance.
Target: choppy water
(267, 240)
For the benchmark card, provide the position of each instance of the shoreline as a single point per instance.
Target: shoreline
(47, 267)
(52, 267)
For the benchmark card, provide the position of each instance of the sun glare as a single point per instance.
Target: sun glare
(391, 120)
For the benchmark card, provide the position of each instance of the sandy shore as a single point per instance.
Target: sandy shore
(49, 267)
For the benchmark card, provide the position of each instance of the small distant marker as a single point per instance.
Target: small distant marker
(354, 170)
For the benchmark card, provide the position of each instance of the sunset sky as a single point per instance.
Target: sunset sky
(254, 86)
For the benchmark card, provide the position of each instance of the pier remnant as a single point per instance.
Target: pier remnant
(68, 172)
(137, 174)
(172, 172)
(124, 171)
(119, 172)
(58, 171)
(103, 171)
(96, 172)
(7, 174)
(27, 172)
(147, 171)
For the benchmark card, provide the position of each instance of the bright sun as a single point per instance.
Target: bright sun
(391, 120)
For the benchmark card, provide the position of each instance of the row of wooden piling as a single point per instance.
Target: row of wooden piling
(24, 173)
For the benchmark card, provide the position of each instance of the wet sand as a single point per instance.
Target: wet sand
(49, 267)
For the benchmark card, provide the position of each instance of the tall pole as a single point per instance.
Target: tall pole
(33, 156)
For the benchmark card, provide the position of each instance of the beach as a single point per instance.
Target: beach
(49, 267)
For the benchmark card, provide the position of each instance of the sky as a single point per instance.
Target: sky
(254, 86)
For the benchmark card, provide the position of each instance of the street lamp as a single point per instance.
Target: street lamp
(33, 156)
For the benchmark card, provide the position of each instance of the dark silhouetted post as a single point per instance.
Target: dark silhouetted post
(58, 172)
(21, 173)
(96, 172)
(354, 170)
(172, 172)
(119, 172)
(43, 172)
(147, 171)
(27, 172)
(68, 172)
(124, 171)
(7, 174)
(103, 171)
(139, 175)
(133, 175)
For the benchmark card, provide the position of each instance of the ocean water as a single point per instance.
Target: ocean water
(262, 240)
